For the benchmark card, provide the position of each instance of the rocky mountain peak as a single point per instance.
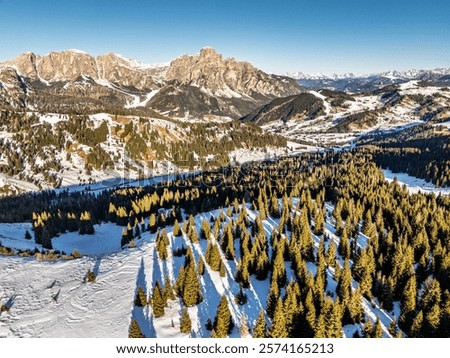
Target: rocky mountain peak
(210, 54)
(226, 77)
(67, 65)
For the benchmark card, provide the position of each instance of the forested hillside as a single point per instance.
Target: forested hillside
(421, 151)
(318, 245)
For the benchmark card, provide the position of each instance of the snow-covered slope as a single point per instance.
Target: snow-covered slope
(50, 299)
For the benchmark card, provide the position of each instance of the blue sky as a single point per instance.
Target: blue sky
(275, 35)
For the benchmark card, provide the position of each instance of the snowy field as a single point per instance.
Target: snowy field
(414, 185)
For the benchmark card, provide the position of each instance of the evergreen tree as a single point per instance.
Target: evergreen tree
(201, 266)
(260, 326)
(368, 329)
(272, 299)
(205, 230)
(185, 322)
(408, 304)
(416, 326)
(306, 241)
(135, 330)
(176, 229)
(158, 302)
(319, 222)
(223, 323)
(377, 331)
(192, 293)
(431, 321)
(355, 308)
(274, 209)
(335, 322)
(152, 226)
(330, 255)
(192, 234)
(344, 244)
(222, 269)
(320, 330)
(213, 258)
(241, 298)
(141, 298)
(393, 328)
(90, 276)
(168, 289)
(27, 235)
(310, 315)
(278, 326)
(179, 282)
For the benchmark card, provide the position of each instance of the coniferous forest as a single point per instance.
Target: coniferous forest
(337, 247)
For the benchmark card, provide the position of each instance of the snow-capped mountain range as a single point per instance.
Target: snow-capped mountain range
(407, 74)
(350, 82)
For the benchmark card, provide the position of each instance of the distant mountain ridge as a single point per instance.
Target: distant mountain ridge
(350, 82)
(191, 86)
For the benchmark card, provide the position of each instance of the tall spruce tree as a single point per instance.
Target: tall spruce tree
(278, 326)
(135, 330)
(223, 323)
(185, 321)
(158, 302)
(260, 330)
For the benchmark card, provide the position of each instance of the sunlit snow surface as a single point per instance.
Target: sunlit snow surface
(413, 184)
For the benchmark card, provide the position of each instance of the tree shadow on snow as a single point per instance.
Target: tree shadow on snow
(142, 314)
(96, 267)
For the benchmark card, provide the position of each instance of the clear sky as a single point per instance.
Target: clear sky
(278, 36)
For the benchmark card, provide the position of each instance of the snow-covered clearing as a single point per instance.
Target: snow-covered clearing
(413, 184)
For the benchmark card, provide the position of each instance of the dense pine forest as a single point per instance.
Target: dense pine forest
(324, 231)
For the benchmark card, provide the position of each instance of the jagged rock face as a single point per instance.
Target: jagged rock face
(72, 65)
(227, 77)
(13, 89)
(67, 65)
(26, 64)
